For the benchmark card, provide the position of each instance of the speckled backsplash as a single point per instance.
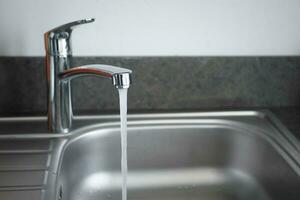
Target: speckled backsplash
(160, 83)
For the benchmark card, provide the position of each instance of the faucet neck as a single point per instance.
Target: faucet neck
(59, 94)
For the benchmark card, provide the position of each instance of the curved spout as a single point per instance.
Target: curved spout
(121, 77)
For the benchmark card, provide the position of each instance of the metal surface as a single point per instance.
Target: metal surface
(60, 71)
(212, 155)
(210, 158)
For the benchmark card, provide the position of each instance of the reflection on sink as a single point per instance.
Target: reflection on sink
(213, 157)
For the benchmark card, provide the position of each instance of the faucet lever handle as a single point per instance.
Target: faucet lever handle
(68, 27)
(57, 40)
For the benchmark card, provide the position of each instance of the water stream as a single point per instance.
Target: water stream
(123, 115)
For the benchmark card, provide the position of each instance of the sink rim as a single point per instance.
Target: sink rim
(278, 132)
(218, 116)
(279, 143)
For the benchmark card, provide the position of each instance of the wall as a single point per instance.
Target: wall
(155, 27)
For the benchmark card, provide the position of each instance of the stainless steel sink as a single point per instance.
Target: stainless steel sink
(244, 155)
(216, 156)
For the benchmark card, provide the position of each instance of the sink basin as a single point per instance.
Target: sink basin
(209, 156)
(241, 155)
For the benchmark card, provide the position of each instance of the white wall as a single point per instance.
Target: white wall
(155, 27)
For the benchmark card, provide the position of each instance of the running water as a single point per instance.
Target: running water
(123, 114)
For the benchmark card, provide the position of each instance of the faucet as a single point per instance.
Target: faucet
(60, 71)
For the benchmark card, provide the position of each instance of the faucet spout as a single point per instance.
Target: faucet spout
(121, 77)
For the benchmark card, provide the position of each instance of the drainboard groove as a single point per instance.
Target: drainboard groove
(23, 168)
(25, 151)
(22, 188)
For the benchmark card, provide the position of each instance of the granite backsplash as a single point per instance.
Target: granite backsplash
(160, 83)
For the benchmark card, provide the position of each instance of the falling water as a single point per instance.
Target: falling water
(123, 114)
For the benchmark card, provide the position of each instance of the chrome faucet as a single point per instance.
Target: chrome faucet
(60, 72)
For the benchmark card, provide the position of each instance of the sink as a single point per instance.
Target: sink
(211, 156)
(240, 155)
